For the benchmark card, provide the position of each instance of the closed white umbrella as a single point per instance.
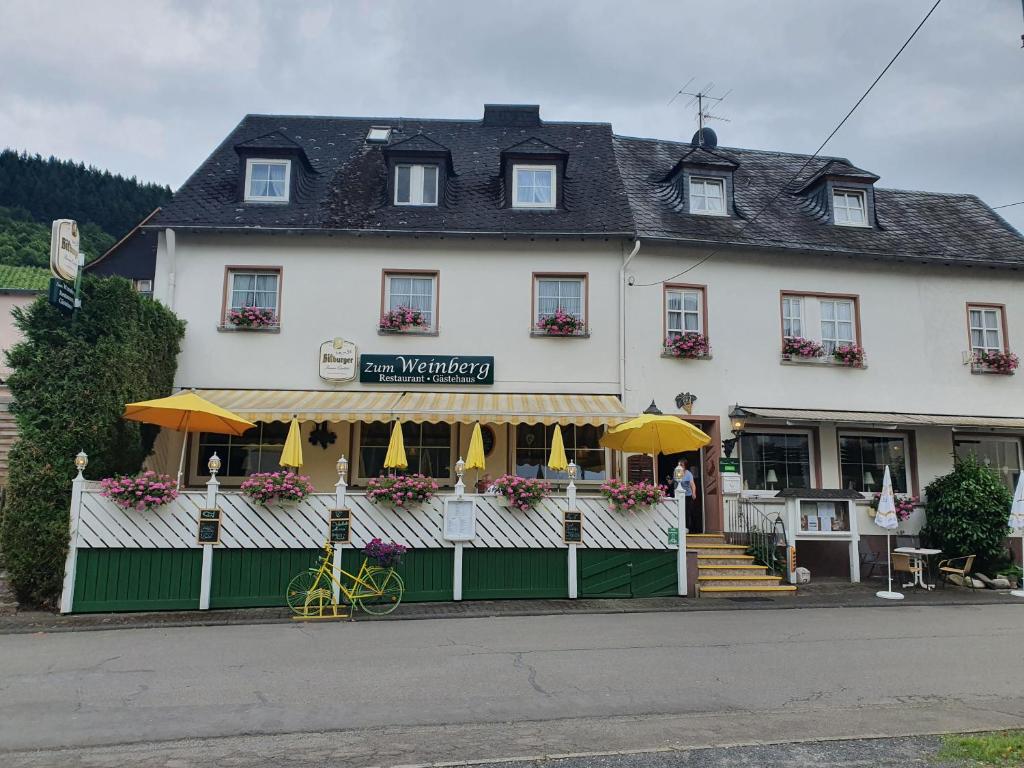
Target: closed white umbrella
(1017, 519)
(886, 518)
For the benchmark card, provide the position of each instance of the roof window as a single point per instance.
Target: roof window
(378, 134)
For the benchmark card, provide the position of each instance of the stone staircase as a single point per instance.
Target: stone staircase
(725, 570)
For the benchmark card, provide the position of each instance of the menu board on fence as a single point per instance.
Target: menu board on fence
(209, 526)
(341, 526)
(459, 519)
(572, 528)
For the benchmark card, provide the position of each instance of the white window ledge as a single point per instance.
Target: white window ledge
(228, 328)
(407, 332)
(682, 357)
(542, 335)
(981, 370)
(822, 361)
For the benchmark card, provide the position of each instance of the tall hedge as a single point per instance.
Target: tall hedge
(71, 379)
(968, 512)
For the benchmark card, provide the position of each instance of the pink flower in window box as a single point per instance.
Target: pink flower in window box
(402, 319)
(690, 345)
(798, 346)
(561, 323)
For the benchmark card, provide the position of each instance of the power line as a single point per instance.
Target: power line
(816, 152)
(1008, 205)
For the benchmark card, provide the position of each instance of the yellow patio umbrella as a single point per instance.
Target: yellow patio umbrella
(655, 433)
(395, 458)
(556, 459)
(475, 458)
(187, 412)
(291, 455)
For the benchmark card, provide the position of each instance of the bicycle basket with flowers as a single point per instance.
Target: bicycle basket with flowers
(145, 491)
(268, 487)
(629, 497)
(387, 554)
(522, 493)
(401, 491)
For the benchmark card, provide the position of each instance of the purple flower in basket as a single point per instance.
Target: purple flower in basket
(387, 554)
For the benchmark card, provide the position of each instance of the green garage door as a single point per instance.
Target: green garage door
(626, 572)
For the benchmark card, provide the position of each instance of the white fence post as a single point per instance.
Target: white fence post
(67, 594)
(206, 574)
(683, 586)
(340, 489)
(574, 589)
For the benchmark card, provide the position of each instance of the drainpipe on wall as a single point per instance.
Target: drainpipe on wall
(169, 242)
(622, 330)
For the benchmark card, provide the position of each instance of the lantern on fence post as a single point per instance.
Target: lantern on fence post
(81, 462)
(678, 474)
(213, 465)
(342, 484)
(571, 470)
(460, 470)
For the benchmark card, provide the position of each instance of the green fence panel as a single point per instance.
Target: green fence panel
(654, 572)
(137, 580)
(249, 578)
(428, 574)
(491, 574)
(626, 573)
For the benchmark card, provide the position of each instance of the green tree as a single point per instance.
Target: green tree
(71, 379)
(968, 512)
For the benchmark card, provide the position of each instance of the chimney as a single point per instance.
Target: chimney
(512, 115)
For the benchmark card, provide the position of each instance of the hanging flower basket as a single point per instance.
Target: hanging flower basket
(142, 492)
(268, 487)
(520, 492)
(997, 362)
(904, 505)
(402, 319)
(252, 317)
(799, 347)
(850, 355)
(691, 345)
(387, 555)
(631, 497)
(401, 491)
(561, 323)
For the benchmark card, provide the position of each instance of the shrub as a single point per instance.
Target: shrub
(967, 512)
(70, 381)
(267, 487)
(402, 491)
(628, 497)
(522, 493)
(145, 491)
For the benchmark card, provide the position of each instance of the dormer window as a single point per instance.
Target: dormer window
(267, 181)
(533, 186)
(707, 196)
(415, 184)
(849, 209)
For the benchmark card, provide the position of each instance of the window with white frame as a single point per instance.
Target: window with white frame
(707, 196)
(533, 186)
(582, 446)
(554, 293)
(836, 323)
(773, 461)
(684, 311)
(258, 288)
(1000, 454)
(792, 317)
(986, 329)
(864, 457)
(418, 292)
(267, 181)
(849, 208)
(143, 286)
(415, 184)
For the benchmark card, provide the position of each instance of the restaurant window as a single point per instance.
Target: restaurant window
(836, 323)
(707, 196)
(533, 447)
(1000, 454)
(773, 461)
(863, 459)
(557, 292)
(416, 291)
(428, 449)
(849, 208)
(258, 288)
(986, 326)
(533, 186)
(684, 311)
(256, 450)
(267, 181)
(415, 184)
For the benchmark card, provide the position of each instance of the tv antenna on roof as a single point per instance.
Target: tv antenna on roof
(705, 104)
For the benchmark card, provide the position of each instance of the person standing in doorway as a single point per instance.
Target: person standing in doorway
(690, 492)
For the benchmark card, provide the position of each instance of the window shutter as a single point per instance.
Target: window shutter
(639, 467)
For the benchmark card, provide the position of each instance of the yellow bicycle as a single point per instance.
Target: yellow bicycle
(375, 589)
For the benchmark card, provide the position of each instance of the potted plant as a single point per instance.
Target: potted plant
(252, 317)
(690, 345)
(996, 361)
(520, 492)
(904, 506)
(402, 319)
(141, 492)
(402, 490)
(629, 497)
(560, 323)
(268, 487)
(799, 347)
(387, 555)
(850, 355)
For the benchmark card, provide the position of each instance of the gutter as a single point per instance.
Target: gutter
(622, 318)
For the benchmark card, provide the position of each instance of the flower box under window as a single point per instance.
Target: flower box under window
(993, 361)
(687, 346)
(258, 319)
(560, 323)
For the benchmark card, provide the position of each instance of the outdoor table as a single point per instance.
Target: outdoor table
(920, 557)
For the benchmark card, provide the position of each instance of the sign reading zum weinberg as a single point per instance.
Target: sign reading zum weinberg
(425, 369)
(337, 360)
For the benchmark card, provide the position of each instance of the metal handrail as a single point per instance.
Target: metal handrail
(763, 535)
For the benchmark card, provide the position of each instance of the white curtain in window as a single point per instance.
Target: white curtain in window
(533, 186)
(555, 294)
(986, 330)
(266, 180)
(254, 289)
(413, 292)
(792, 324)
(836, 324)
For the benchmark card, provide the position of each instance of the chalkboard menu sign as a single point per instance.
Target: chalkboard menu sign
(572, 527)
(209, 526)
(341, 526)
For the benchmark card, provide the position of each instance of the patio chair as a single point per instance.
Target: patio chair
(902, 563)
(957, 566)
(870, 559)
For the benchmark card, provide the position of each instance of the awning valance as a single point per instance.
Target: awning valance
(465, 407)
(878, 418)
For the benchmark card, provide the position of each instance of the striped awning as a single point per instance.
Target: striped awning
(879, 417)
(467, 407)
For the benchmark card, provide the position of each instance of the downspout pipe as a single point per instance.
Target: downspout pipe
(622, 318)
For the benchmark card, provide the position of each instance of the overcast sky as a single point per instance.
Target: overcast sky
(149, 88)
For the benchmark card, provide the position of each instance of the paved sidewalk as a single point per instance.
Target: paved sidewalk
(824, 593)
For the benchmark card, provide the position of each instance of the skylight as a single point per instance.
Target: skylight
(379, 134)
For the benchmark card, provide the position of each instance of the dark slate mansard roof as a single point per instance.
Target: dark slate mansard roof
(612, 186)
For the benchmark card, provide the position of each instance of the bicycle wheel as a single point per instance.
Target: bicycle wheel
(390, 588)
(305, 596)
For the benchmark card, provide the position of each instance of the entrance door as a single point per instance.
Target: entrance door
(694, 506)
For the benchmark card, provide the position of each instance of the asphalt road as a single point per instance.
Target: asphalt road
(396, 693)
